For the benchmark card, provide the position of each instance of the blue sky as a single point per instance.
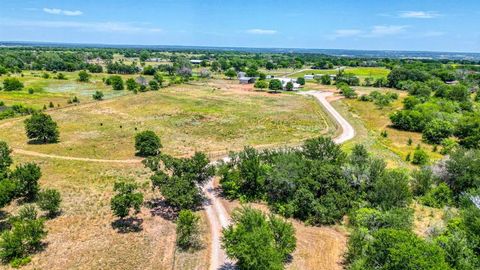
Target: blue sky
(436, 25)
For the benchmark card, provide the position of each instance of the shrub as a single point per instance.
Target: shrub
(187, 229)
(258, 243)
(26, 178)
(438, 197)
(437, 130)
(5, 159)
(41, 128)
(98, 95)
(422, 181)
(125, 199)
(61, 76)
(116, 82)
(12, 84)
(275, 85)
(147, 143)
(261, 84)
(49, 200)
(420, 157)
(83, 76)
(392, 190)
(153, 85)
(301, 80)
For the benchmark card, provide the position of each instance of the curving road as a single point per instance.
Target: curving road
(218, 216)
(216, 213)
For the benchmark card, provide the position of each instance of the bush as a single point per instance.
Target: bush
(301, 80)
(420, 157)
(83, 76)
(26, 178)
(153, 85)
(392, 190)
(41, 128)
(422, 181)
(116, 82)
(49, 200)
(98, 95)
(12, 84)
(438, 197)
(275, 85)
(125, 199)
(187, 229)
(437, 130)
(147, 143)
(24, 237)
(373, 219)
(258, 243)
(261, 84)
(5, 159)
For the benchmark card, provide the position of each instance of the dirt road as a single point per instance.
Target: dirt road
(218, 216)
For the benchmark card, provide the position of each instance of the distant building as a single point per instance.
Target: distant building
(154, 60)
(308, 77)
(284, 82)
(269, 77)
(246, 80)
(142, 81)
(196, 61)
(241, 74)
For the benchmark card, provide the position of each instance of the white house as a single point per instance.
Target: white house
(246, 80)
(284, 82)
(308, 77)
(196, 61)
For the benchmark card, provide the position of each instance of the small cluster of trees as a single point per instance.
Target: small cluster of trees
(40, 128)
(23, 233)
(12, 84)
(381, 100)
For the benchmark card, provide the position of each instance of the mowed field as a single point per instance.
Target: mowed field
(362, 72)
(188, 118)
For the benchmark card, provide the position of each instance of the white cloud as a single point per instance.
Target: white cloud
(418, 14)
(57, 11)
(257, 31)
(385, 30)
(84, 26)
(375, 31)
(433, 34)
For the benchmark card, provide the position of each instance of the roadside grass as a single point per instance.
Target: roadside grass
(375, 120)
(188, 118)
(82, 237)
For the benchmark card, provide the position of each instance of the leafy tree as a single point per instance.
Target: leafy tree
(301, 80)
(261, 84)
(275, 85)
(153, 85)
(98, 95)
(125, 199)
(420, 157)
(392, 190)
(323, 149)
(258, 243)
(468, 130)
(147, 143)
(438, 196)
(5, 159)
(24, 237)
(26, 178)
(61, 76)
(422, 181)
(116, 82)
(12, 84)
(159, 78)
(437, 130)
(187, 229)
(83, 76)
(131, 84)
(399, 249)
(346, 90)
(289, 86)
(49, 200)
(41, 128)
(374, 219)
(463, 169)
(325, 79)
(230, 73)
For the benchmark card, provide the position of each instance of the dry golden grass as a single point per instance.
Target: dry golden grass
(188, 118)
(82, 237)
(427, 218)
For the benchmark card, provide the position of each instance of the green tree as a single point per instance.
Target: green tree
(301, 80)
(159, 78)
(131, 84)
(153, 85)
(5, 159)
(49, 200)
(325, 79)
(258, 243)
(463, 169)
(438, 196)
(420, 157)
(83, 76)
(289, 86)
(187, 229)
(12, 84)
(41, 128)
(392, 190)
(437, 130)
(98, 95)
(147, 143)
(261, 84)
(26, 178)
(125, 199)
(116, 82)
(230, 73)
(275, 85)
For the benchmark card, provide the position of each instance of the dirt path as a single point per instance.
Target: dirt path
(36, 154)
(218, 216)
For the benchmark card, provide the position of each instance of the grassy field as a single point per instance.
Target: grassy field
(188, 118)
(362, 72)
(369, 121)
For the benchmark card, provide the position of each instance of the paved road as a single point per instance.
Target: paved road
(218, 216)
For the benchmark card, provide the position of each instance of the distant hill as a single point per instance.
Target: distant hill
(334, 52)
